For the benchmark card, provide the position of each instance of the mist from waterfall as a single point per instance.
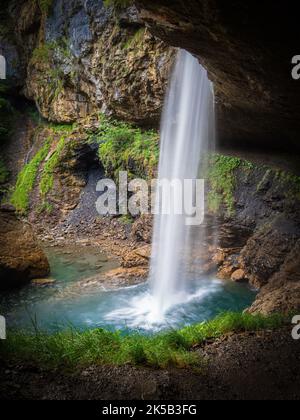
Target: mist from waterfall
(187, 133)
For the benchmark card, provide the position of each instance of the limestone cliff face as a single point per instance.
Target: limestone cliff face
(259, 237)
(247, 49)
(79, 57)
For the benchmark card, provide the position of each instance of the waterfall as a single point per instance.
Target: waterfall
(187, 132)
(186, 136)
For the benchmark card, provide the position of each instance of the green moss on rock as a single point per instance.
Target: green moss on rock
(49, 72)
(292, 183)
(118, 3)
(222, 180)
(123, 147)
(43, 53)
(27, 178)
(47, 177)
(136, 40)
(45, 207)
(45, 6)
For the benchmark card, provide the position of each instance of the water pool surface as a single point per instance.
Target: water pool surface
(68, 302)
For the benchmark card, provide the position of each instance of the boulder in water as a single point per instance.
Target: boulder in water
(239, 276)
(43, 282)
(139, 257)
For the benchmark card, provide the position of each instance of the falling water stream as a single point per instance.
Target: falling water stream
(187, 130)
(176, 293)
(187, 133)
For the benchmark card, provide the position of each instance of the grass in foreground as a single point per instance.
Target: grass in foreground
(174, 348)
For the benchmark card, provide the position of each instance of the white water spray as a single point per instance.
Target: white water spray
(187, 134)
(187, 131)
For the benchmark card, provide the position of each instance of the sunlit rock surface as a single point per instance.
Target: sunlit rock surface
(21, 258)
(81, 57)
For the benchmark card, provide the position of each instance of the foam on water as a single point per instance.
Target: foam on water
(187, 134)
(142, 311)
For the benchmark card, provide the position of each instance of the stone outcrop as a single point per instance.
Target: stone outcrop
(142, 229)
(282, 292)
(265, 225)
(21, 258)
(70, 176)
(81, 57)
(134, 266)
(139, 257)
(238, 276)
(247, 49)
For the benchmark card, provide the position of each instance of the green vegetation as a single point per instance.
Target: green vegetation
(286, 182)
(44, 207)
(61, 128)
(56, 82)
(44, 52)
(44, 55)
(221, 176)
(27, 178)
(174, 348)
(261, 184)
(47, 177)
(45, 6)
(136, 40)
(291, 182)
(117, 3)
(125, 148)
(126, 219)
